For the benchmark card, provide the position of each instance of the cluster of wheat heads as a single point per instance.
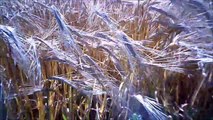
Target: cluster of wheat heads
(102, 59)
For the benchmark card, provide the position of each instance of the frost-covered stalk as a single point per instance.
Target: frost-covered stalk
(26, 58)
(152, 108)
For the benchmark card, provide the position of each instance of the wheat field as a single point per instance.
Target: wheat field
(106, 60)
